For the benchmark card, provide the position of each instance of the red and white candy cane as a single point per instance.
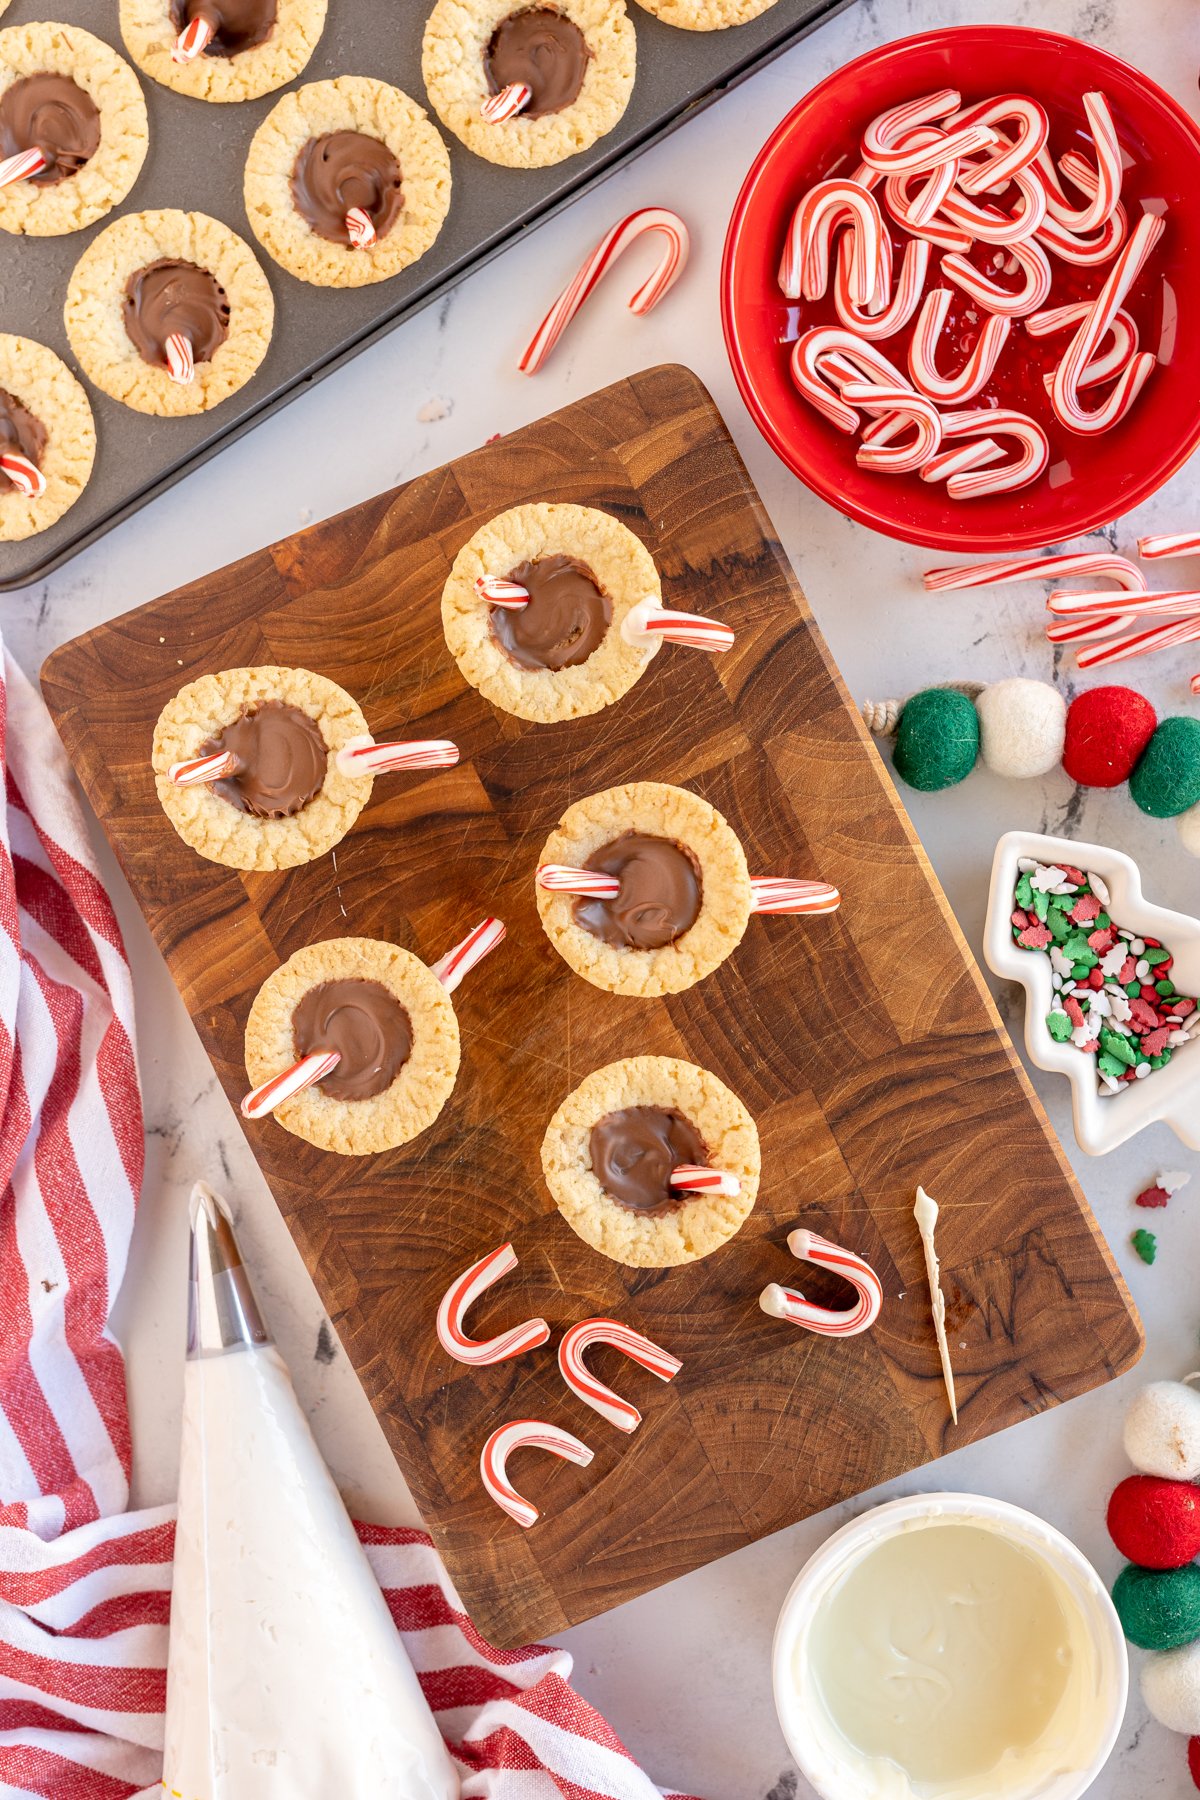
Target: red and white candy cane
(1039, 568)
(785, 1303)
(181, 365)
(1087, 627)
(804, 268)
(1014, 303)
(1087, 252)
(992, 226)
(1142, 643)
(584, 1385)
(831, 352)
(457, 963)
(303, 1074)
(1105, 363)
(201, 769)
(886, 143)
(462, 1294)
(367, 758)
(524, 1434)
(193, 41)
(1184, 602)
(771, 894)
(1129, 384)
(671, 265)
(690, 1178)
(25, 476)
(561, 878)
(510, 101)
(905, 295)
(1024, 465)
(955, 461)
(22, 166)
(1108, 172)
(499, 592)
(909, 211)
(1169, 543)
(976, 372)
(360, 229)
(995, 168)
(879, 450)
(648, 622)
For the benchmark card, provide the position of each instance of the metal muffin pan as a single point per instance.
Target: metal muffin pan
(197, 153)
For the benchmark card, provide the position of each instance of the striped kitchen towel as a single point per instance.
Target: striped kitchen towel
(85, 1584)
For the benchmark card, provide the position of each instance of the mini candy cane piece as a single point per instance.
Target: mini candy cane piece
(451, 968)
(499, 592)
(462, 1294)
(180, 365)
(785, 1303)
(25, 476)
(361, 756)
(804, 268)
(584, 1384)
(1194, 684)
(510, 101)
(908, 212)
(778, 895)
(1169, 543)
(1034, 265)
(1066, 606)
(304, 1074)
(522, 1434)
(976, 372)
(1039, 568)
(193, 41)
(670, 268)
(203, 768)
(360, 229)
(989, 224)
(1024, 466)
(691, 1179)
(886, 144)
(964, 456)
(1158, 637)
(1093, 329)
(1108, 172)
(648, 621)
(906, 292)
(22, 167)
(878, 451)
(560, 878)
(1011, 157)
(1087, 627)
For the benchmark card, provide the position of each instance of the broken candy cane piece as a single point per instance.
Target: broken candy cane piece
(777, 894)
(784, 1303)
(25, 476)
(363, 756)
(462, 1293)
(648, 622)
(1169, 543)
(926, 1214)
(523, 1434)
(510, 101)
(631, 1343)
(671, 266)
(458, 962)
(303, 1074)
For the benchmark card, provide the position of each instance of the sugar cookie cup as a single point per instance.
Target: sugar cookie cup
(706, 15)
(54, 422)
(151, 29)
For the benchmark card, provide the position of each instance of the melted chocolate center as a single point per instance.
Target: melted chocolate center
(367, 1026)
(19, 430)
(170, 296)
(237, 24)
(634, 1151)
(543, 48)
(282, 756)
(53, 114)
(566, 618)
(344, 169)
(659, 898)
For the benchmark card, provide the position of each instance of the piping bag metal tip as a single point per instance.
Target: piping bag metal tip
(223, 1313)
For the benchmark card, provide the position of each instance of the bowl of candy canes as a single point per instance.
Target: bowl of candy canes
(955, 292)
(1111, 984)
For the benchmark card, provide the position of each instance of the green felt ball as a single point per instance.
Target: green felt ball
(1159, 1609)
(937, 739)
(1166, 781)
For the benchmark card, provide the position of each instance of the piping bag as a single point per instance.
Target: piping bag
(286, 1677)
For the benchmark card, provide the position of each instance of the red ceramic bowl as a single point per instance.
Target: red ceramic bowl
(1091, 480)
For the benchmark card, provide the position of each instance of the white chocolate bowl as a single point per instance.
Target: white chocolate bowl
(1171, 1095)
(1079, 1737)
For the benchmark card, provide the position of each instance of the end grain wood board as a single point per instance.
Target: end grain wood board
(865, 1044)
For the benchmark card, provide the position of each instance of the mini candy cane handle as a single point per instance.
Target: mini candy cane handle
(25, 476)
(1158, 637)
(671, 266)
(203, 768)
(976, 372)
(997, 168)
(1108, 172)
(785, 1303)
(462, 1294)
(1039, 568)
(499, 592)
(181, 366)
(648, 621)
(510, 101)
(1086, 629)
(360, 229)
(523, 1434)
(1169, 543)
(771, 895)
(561, 878)
(458, 962)
(304, 1074)
(361, 756)
(22, 166)
(192, 41)
(631, 1343)
(689, 1178)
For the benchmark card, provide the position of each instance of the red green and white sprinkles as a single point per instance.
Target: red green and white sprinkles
(1114, 998)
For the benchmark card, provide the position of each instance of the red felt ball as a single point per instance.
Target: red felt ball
(1194, 1759)
(1155, 1523)
(1107, 730)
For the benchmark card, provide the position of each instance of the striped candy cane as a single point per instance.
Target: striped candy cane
(1024, 465)
(878, 451)
(1107, 173)
(22, 167)
(180, 364)
(1092, 331)
(1013, 303)
(1169, 543)
(976, 455)
(561, 878)
(992, 226)
(1105, 363)
(510, 101)
(804, 267)
(690, 1178)
(905, 297)
(25, 476)
(451, 968)
(584, 1385)
(887, 146)
(1087, 252)
(771, 895)
(1087, 627)
(360, 229)
(203, 768)
(193, 41)
(648, 623)
(1039, 568)
(304, 1074)
(976, 372)
(1071, 605)
(521, 1434)
(831, 352)
(785, 1303)
(1142, 643)
(996, 169)
(1194, 684)
(362, 757)
(670, 267)
(499, 592)
(909, 212)
(462, 1294)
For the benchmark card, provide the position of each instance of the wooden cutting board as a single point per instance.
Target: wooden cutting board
(865, 1044)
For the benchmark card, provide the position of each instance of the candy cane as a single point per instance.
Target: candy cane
(777, 895)
(1097, 323)
(203, 768)
(785, 1303)
(1064, 393)
(1159, 637)
(976, 455)
(360, 229)
(520, 1434)
(561, 878)
(1029, 461)
(1169, 543)
(648, 621)
(918, 412)
(584, 1385)
(1034, 265)
(1087, 252)
(1106, 362)
(1087, 627)
(804, 267)
(670, 267)
(22, 167)
(906, 293)
(980, 365)
(462, 1294)
(510, 101)
(451, 968)
(499, 592)
(886, 145)
(992, 226)
(193, 41)
(692, 1179)
(819, 347)
(181, 366)
(1107, 173)
(1011, 157)
(1039, 568)
(363, 757)
(303, 1074)
(1187, 602)
(914, 214)
(25, 476)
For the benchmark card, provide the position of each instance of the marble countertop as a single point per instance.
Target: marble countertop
(683, 1673)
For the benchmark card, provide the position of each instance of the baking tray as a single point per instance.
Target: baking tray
(317, 328)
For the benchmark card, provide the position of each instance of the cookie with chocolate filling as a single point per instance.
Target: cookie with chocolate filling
(287, 802)
(561, 655)
(67, 95)
(611, 1148)
(333, 155)
(706, 15)
(578, 58)
(153, 277)
(46, 420)
(685, 897)
(391, 1022)
(250, 47)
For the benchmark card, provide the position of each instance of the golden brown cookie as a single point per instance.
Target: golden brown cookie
(352, 103)
(457, 36)
(95, 310)
(46, 392)
(620, 563)
(51, 208)
(706, 15)
(150, 30)
(695, 1226)
(654, 810)
(424, 1083)
(217, 829)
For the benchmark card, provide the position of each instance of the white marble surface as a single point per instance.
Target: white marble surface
(683, 1673)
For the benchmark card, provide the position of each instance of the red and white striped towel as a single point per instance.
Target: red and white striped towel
(85, 1585)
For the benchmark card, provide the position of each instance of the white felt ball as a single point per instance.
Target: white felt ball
(1022, 726)
(1171, 1688)
(1189, 830)
(1162, 1431)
